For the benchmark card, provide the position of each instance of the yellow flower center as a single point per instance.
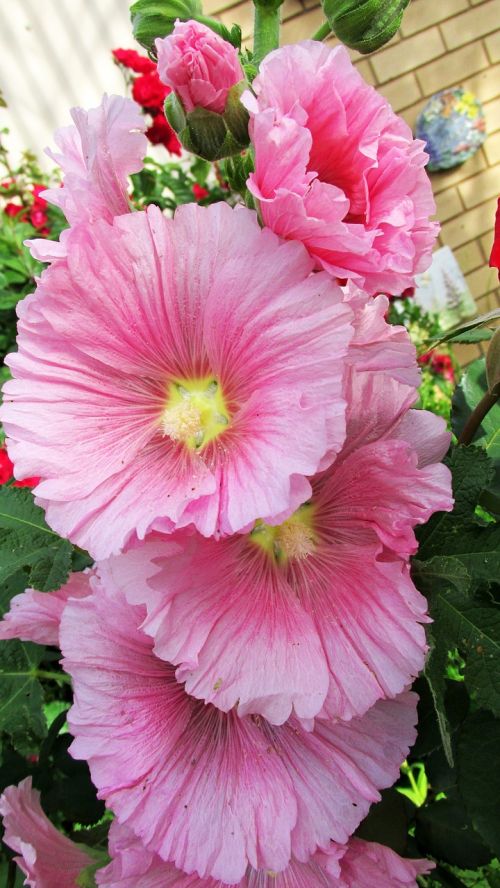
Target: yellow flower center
(295, 538)
(195, 413)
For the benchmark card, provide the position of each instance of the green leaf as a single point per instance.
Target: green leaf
(27, 542)
(471, 336)
(444, 831)
(493, 315)
(21, 706)
(156, 18)
(473, 386)
(479, 775)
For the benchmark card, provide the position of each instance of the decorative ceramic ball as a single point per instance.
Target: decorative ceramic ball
(453, 126)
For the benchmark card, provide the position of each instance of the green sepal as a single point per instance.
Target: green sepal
(156, 18)
(174, 112)
(365, 25)
(236, 115)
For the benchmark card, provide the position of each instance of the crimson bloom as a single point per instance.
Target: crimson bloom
(133, 60)
(161, 133)
(495, 252)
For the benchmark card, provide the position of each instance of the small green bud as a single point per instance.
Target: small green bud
(364, 25)
(156, 18)
(210, 135)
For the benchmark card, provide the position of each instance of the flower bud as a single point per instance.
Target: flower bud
(156, 18)
(207, 80)
(199, 66)
(364, 25)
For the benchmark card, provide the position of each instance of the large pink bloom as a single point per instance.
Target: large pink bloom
(209, 791)
(336, 169)
(175, 371)
(46, 856)
(35, 616)
(358, 864)
(97, 154)
(199, 66)
(321, 610)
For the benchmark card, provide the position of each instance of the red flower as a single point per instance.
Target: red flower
(440, 364)
(161, 133)
(6, 472)
(12, 209)
(495, 252)
(149, 91)
(199, 192)
(129, 58)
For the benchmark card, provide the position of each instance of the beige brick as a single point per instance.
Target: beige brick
(402, 92)
(422, 14)
(452, 68)
(488, 302)
(492, 114)
(482, 281)
(493, 46)
(478, 189)
(469, 225)
(448, 204)
(486, 242)
(303, 26)
(444, 179)
(411, 114)
(465, 354)
(469, 256)
(492, 149)
(211, 7)
(408, 54)
(486, 84)
(470, 25)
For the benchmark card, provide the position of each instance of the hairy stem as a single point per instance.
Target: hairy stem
(322, 32)
(52, 676)
(475, 419)
(266, 31)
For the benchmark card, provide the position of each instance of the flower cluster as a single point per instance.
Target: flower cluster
(149, 92)
(34, 212)
(230, 434)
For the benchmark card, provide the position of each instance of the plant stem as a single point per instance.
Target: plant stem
(52, 676)
(475, 419)
(322, 32)
(266, 31)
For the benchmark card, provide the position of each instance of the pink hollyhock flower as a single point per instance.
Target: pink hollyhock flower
(35, 616)
(46, 856)
(105, 145)
(211, 792)
(356, 865)
(320, 609)
(199, 66)
(336, 169)
(200, 387)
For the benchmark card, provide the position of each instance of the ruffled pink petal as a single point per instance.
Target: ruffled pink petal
(206, 293)
(370, 865)
(209, 791)
(353, 149)
(46, 856)
(35, 616)
(97, 154)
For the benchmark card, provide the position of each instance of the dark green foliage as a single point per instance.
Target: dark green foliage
(21, 696)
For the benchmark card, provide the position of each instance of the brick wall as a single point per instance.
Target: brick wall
(441, 43)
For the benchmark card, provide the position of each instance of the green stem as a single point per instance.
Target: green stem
(266, 33)
(52, 676)
(322, 32)
(475, 419)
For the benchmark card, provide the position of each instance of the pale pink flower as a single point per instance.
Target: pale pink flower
(336, 169)
(356, 865)
(319, 611)
(35, 616)
(212, 792)
(199, 66)
(173, 372)
(97, 154)
(46, 856)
